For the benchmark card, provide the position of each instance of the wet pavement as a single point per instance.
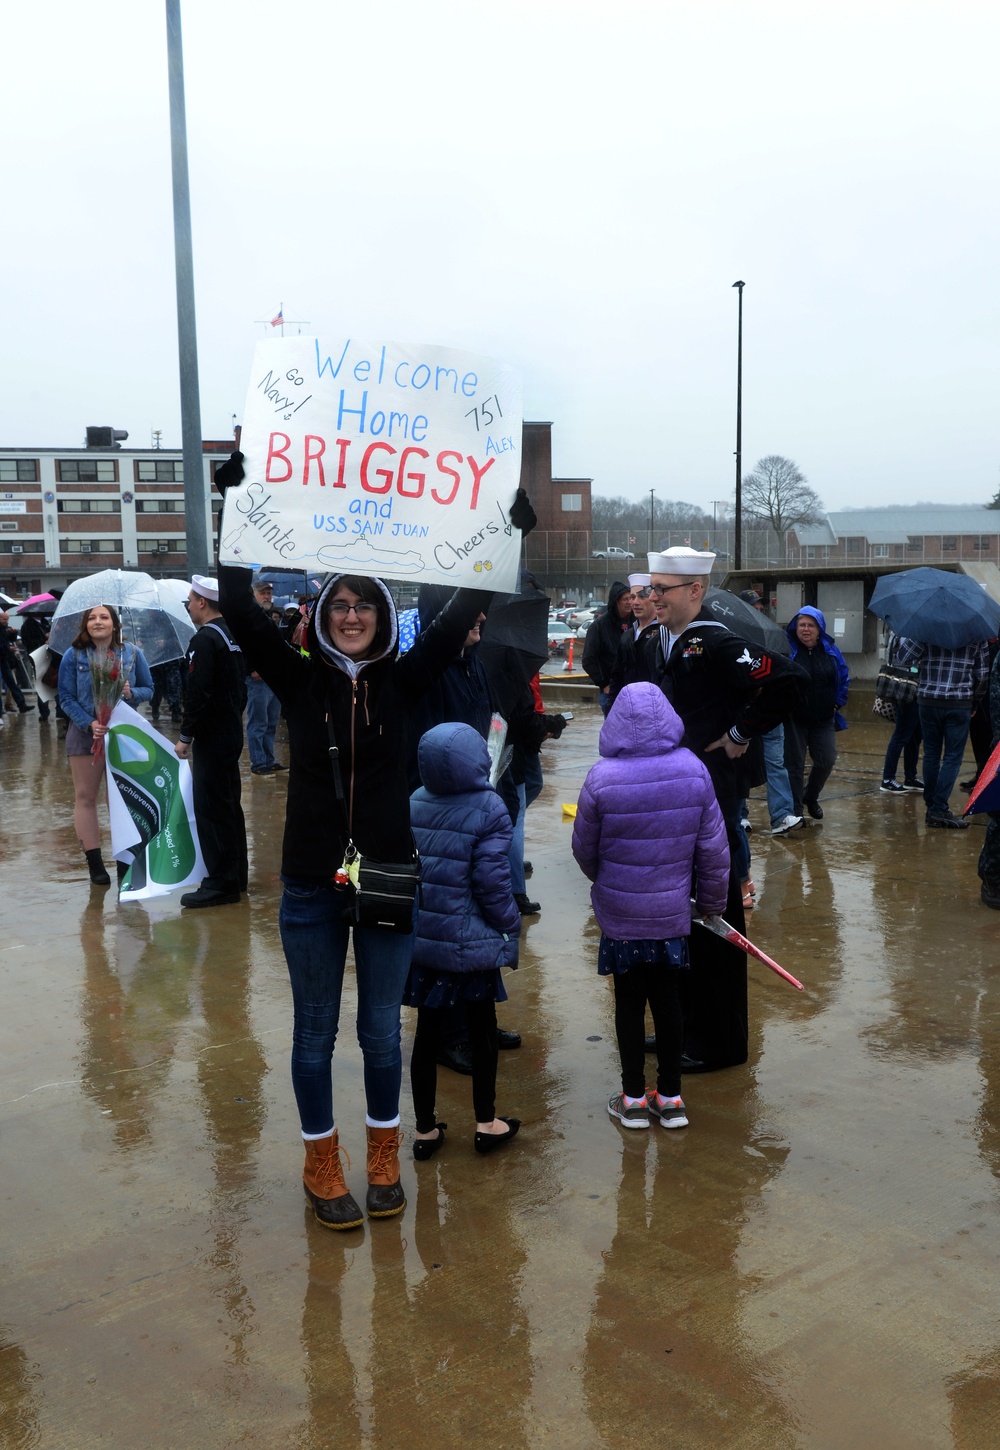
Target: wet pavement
(812, 1263)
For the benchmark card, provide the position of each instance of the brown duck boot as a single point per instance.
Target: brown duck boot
(323, 1181)
(385, 1192)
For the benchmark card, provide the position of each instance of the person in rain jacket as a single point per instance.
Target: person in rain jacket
(815, 720)
(647, 815)
(467, 924)
(604, 639)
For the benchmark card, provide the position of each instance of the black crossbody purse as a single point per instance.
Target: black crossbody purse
(380, 893)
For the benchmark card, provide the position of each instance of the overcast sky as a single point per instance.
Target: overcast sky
(570, 187)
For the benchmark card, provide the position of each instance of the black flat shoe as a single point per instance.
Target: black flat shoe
(815, 809)
(507, 1040)
(424, 1148)
(488, 1142)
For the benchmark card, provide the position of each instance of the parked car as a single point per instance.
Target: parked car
(613, 552)
(559, 633)
(576, 617)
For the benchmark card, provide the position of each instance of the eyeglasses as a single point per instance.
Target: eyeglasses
(340, 610)
(659, 589)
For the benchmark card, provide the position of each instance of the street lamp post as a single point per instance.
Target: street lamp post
(738, 551)
(652, 541)
(195, 523)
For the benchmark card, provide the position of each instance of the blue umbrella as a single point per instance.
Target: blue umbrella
(935, 607)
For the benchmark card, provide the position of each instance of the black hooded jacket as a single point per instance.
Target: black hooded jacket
(369, 713)
(604, 637)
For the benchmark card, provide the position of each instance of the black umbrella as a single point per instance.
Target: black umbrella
(515, 645)
(749, 623)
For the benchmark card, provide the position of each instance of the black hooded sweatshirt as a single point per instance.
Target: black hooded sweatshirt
(604, 637)
(368, 703)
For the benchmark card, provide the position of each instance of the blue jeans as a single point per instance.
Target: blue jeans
(905, 741)
(263, 709)
(529, 790)
(779, 792)
(314, 936)
(945, 733)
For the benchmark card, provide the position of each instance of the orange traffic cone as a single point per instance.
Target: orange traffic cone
(568, 666)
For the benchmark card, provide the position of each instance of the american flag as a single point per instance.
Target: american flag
(277, 321)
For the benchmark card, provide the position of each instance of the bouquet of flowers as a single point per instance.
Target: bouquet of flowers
(107, 681)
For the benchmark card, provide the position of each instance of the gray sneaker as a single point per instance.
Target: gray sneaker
(635, 1116)
(668, 1114)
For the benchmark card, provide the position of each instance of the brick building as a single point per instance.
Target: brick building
(65, 512)
(928, 534)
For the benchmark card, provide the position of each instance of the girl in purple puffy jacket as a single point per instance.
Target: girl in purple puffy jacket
(649, 834)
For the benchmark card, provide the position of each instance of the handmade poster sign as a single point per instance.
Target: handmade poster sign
(378, 458)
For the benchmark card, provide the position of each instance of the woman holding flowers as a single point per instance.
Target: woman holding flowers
(96, 672)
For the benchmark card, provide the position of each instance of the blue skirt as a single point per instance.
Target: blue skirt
(616, 957)
(430, 987)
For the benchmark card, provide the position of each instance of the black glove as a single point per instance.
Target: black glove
(230, 474)
(522, 515)
(555, 725)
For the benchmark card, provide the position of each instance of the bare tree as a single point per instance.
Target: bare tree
(622, 518)
(777, 494)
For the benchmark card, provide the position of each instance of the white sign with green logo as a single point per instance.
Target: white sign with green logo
(151, 806)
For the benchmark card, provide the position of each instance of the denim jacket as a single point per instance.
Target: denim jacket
(76, 696)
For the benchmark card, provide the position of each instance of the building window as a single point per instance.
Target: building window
(86, 470)
(89, 506)
(949, 543)
(984, 541)
(160, 470)
(852, 546)
(160, 505)
(880, 551)
(90, 546)
(176, 544)
(915, 546)
(22, 545)
(18, 470)
(572, 503)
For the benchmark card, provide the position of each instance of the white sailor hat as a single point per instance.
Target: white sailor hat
(638, 581)
(682, 560)
(207, 588)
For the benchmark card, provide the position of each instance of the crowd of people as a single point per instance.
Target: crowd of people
(390, 781)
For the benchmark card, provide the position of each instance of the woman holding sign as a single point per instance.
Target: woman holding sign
(346, 705)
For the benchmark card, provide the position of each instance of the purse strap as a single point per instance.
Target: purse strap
(333, 751)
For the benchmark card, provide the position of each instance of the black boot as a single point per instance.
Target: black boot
(98, 873)
(990, 892)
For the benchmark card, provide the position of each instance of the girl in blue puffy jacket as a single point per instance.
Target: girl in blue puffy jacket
(467, 925)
